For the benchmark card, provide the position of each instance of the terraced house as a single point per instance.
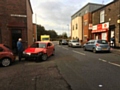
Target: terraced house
(106, 22)
(16, 22)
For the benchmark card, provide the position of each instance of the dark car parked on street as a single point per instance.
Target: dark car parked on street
(97, 45)
(63, 42)
(6, 55)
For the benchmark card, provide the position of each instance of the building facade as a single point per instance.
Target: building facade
(81, 20)
(106, 22)
(34, 32)
(16, 22)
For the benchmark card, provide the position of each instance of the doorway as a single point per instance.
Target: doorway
(16, 33)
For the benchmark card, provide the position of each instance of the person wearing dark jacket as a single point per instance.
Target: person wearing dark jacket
(19, 48)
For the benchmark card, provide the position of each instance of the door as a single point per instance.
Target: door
(16, 33)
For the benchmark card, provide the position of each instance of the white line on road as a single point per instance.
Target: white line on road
(114, 64)
(78, 52)
(65, 48)
(109, 62)
(102, 60)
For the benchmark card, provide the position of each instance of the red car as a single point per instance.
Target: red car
(6, 55)
(39, 50)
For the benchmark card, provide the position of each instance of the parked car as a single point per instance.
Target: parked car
(39, 50)
(97, 45)
(63, 42)
(6, 56)
(74, 43)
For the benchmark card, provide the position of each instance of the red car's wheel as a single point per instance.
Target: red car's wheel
(6, 62)
(44, 57)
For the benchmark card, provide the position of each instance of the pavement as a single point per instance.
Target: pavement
(115, 50)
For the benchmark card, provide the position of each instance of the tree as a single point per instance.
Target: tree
(41, 31)
(64, 35)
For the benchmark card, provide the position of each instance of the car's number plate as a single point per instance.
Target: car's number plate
(104, 48)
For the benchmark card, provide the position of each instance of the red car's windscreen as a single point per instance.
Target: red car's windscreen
(38, 45)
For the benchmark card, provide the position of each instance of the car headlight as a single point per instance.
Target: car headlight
(28, 53)
(23, 52)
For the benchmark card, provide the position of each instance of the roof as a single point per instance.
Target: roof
(104, 6)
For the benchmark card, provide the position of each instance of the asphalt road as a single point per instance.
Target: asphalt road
(69, 69)
(85, 70)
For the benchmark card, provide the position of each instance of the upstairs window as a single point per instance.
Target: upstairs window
(73, 27)
(102, 16)
(76, 26)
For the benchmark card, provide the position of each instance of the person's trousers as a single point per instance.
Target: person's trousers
(19, 55)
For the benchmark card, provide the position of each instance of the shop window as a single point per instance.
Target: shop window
(102, 16)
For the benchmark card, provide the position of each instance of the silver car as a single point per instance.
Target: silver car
(74, 43)
(97, 45)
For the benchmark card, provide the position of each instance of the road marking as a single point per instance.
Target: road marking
(78, 52)
(65, 48)
(109, 62)
(102, 60)
(114, 64)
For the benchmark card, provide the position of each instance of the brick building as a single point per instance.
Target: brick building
(15, 22)
(106, 22)
(81, 20)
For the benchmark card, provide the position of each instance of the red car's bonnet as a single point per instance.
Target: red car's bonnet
(34, 50)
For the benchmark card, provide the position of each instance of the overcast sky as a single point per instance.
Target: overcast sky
(56, 14)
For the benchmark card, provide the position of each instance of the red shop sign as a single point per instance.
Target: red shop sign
(100, 27)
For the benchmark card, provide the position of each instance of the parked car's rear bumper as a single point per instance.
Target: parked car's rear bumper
(102, 49)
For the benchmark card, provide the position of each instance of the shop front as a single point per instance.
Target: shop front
(100, 31)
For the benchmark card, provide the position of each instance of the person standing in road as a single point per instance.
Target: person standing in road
(19, 48)
(112, 41)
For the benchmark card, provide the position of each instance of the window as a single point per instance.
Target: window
(38, 45)
(102, 42)
(49, 44)
(102, 16)
(86, 11)
(73, 27)
(76, 26)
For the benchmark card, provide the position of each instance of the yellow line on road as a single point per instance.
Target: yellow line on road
(78, 52)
